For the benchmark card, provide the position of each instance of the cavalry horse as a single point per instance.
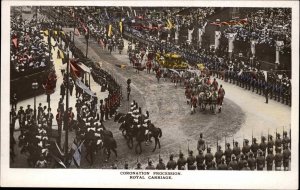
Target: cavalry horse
(132, 129)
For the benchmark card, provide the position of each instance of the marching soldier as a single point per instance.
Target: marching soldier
(236, 150)
(181, 162)
(270, 142)
(254, 147)
(222, 165)
(200, 161)
(263, 145)
(208, 157)
(270, 159)
(126, 166)
(278, 142)
(260, 161)
(286, 157)
(201, 143)
(241, 162)
(218, 155)
(150, 166)
(246, 148)
(233, 163)
(160, 165)
(228, 153)
(266, 92)
(13, 118)
(278, 159)
(285, 140)
(251, 161)
(138, 166)
(171, 165)
(246, 167)
(59, 119)
(191, 161)
(49, 119)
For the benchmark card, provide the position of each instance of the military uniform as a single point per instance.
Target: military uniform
(228, 153)
(200, 161)
(236, 150)
(208, 157)
(150, 166)
(278, 142)
(222, 165)
(254, 147)
(160, 165)
(270, 159)
(233, 164)
(246, 148)
(191, 161)
(218, 155)
(278, 160)
(263, 146)
(251, 161)
(171, 165)
(270, 142)
(260, 161)
(201, 143)
(286, 158)
(181, 162)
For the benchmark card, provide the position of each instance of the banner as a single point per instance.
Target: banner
(81, 85)
(121, 26)
(76, 158)
(109, 30)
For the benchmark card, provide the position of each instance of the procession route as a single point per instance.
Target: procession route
(242, 113)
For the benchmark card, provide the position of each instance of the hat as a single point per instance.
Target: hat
(246, 140)
(150, 161)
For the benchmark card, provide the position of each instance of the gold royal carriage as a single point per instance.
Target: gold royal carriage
(171, 61)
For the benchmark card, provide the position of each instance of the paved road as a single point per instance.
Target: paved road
(243, 112)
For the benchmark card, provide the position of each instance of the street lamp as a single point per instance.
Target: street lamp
(35, 86)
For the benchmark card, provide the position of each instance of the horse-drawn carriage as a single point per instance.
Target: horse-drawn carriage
(171, 61)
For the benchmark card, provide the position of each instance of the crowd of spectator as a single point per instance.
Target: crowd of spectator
(29, 53)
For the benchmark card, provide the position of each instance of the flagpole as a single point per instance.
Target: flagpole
(66, 115)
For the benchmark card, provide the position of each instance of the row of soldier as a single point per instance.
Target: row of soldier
(249, 157)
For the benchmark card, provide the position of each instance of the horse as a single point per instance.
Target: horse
(213, 102)
(203, 100)
(109, 143)
(154, 132)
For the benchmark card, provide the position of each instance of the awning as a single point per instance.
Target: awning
(84, 88)
(84, 67)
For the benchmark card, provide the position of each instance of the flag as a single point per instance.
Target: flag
(121, 26)
(46, 32)
(109, 30)
(77, 33)
(75, 69)
(76, 158)
(81, 85)
(15, 42)
(169, 24)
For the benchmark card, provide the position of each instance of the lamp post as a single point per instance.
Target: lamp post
(35, 86)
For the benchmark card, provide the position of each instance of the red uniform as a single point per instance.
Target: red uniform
(221, 94)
